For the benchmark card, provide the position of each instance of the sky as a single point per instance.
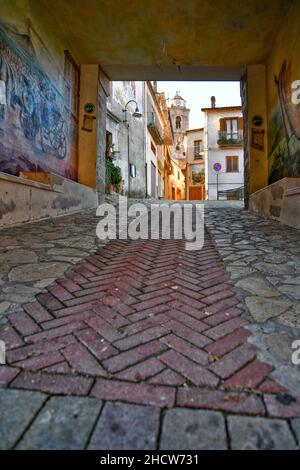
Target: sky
(197, 96)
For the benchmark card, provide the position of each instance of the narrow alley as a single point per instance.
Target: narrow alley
(136, 335)
(149, 228)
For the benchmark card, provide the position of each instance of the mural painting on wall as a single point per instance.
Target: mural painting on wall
(284, 130)
(36, 133)
(197, 174)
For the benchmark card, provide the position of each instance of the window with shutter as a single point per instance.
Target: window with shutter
(197, 149)
(232, 164)
(71, 101)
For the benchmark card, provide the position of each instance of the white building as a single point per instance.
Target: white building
(223, 143)
(154, 144)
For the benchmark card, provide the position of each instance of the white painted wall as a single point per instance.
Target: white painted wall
(150, 156)
(121, 93)
(216, 154)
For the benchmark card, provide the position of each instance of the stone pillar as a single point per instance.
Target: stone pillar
(254, 102)
(88, 118)
(103, 93)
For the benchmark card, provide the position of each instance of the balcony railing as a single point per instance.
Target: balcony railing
(230, 138)
(155, 128)
(199, 156)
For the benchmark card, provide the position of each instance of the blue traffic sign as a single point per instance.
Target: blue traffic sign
(217, 167)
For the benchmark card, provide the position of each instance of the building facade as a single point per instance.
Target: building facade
(125, 134)
(164, 178)
(195, 164)
(141, 146)
(223, 145)
(179, 115)
(53, 97)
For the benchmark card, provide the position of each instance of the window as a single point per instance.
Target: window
(197, 149)
(178, 122)
(232, 164)
(231, 128)
(71, 99)
(178, 175)
(71, 85)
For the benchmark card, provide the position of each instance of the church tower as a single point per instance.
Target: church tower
(179, 115)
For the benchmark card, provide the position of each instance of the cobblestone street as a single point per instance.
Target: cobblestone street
(145, 345)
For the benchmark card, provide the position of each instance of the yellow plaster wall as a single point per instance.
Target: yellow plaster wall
(168, 32)
(87, 144)
(257, 105)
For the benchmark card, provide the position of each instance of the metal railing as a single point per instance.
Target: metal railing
(230, 138)
(155, 127)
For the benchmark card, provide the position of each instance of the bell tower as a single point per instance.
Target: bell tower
(179, 114)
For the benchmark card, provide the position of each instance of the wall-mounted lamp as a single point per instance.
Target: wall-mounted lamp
(136, 113)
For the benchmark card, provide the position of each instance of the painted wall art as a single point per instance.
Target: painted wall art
(284, 128)
(38, 128)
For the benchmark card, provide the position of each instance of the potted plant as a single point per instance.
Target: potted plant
(113, 176)
(117, 178)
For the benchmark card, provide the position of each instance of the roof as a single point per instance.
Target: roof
(222, 108)
(195, 130)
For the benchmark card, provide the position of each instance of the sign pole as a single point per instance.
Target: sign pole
(217, 168)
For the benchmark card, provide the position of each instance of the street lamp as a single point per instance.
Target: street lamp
(136, 114)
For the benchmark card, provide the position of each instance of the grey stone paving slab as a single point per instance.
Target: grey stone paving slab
(65, 423)
(262, 308)
(257, 286)
(17, 409)
(278, 269)
(184, 429)
(126, 427)
(296, 428)
(259, 434)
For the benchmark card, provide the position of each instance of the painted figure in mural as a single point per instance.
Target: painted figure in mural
(290, 111)
(285, 129)
(32, 106)
(40, 115)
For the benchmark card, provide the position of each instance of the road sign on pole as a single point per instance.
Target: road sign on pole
(217, 167)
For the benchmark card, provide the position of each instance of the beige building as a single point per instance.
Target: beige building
(179, 115)
(195, 164)
(159, 142)
(175, 182)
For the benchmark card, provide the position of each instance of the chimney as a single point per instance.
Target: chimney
(155, 86)
(213, 101)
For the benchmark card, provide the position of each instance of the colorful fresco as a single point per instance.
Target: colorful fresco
(197, 174)
(284, 128)
(36, 132)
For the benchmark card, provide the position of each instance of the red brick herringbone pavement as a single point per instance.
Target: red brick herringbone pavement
(140, 321)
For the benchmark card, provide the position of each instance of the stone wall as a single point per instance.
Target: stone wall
(246, 139)
(279, 201)
(23, 200)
